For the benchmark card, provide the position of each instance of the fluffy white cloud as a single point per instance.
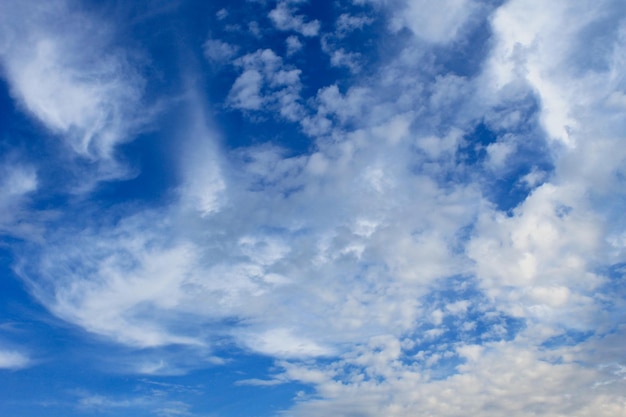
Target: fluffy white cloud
(284, 18)
(339, 57)
(347, 23)
(267, 84)
(548, 252)
(495, 380)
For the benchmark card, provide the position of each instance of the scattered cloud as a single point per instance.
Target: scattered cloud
(219, 51)
(293, 45)
(347, 23)
(447, 241)
(266, 83)
(283, 18)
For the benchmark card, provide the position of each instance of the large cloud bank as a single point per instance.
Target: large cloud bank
(401, 265)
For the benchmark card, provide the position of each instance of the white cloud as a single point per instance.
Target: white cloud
(347, 23)
(344, 253)
(135, 281)
(246, 91)
(284, 19)
(436, 22)
(18, 183)
(498, 153)
(10, 359)
(219, 51)
(282, 343)
(222, 14)
(501, 379)
(91, 95)
(339, 57)
(543, 264)
(267, 84)
(293, 44)
(204, 184)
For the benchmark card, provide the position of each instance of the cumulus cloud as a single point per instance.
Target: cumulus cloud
(219, 51)
(284, 19)
(347, 23)
(266, 83)
(293, 45)
(339, 57)
(496, 380)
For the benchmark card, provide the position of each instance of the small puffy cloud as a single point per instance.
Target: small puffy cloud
(341, 58)
(219, 51)
(266, 83)
(246, 91)
(293, 44)
(498, 153)
(347, 23)
(284, 19)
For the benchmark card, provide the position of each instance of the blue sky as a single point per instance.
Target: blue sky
(312, 208)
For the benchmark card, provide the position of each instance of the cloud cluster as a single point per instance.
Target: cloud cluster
(378, 267)
(266, 84)
(283, 18)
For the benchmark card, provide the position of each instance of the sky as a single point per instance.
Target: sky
(296, 208)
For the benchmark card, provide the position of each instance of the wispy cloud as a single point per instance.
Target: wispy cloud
(12, 359)
(18, 180)
(90, 95)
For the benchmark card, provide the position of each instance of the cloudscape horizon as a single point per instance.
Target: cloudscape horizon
(313, 208)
